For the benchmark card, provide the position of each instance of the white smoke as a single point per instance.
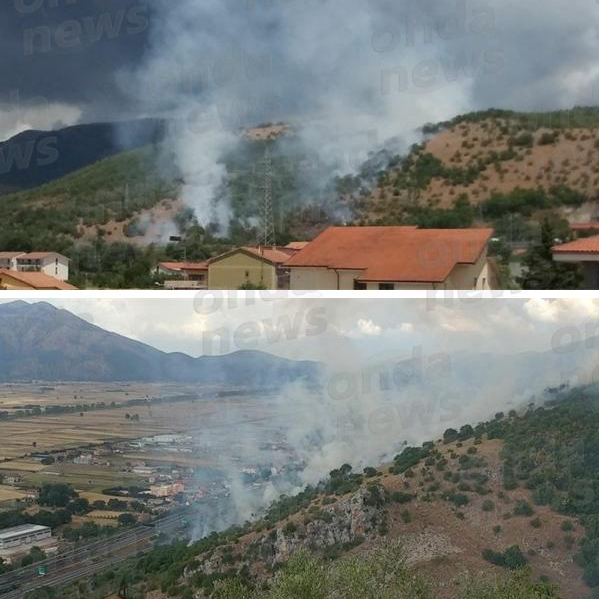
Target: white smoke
(348, 75)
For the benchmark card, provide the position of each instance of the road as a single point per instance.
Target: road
(68, 567)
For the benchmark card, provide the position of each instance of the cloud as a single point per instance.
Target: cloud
(560, 310)
(367, 327)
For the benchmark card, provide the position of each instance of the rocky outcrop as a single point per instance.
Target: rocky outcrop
(349, 521)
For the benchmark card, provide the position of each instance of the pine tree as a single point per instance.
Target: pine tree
(541, 272)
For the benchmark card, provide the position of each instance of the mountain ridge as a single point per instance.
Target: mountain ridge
(41, 342)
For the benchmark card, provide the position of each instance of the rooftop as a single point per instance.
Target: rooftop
(396, 254)
(296, 245)
(593, 226)
(184, 265)
(36, 280)
(17, 531)
(273, 255)
(586, 245)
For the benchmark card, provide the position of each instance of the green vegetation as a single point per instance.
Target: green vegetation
(512, 558)
(49, 216)
(541, 272)
(579, 116)
(382, 575)
(56, 495)
(526, 201)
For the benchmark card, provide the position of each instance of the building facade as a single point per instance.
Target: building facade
(53, 264)
(25, 535)
(250, 267)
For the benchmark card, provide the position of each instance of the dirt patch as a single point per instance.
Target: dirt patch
(154, 225)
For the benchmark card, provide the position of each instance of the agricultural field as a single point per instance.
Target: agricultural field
(19, 396)
(24, 437)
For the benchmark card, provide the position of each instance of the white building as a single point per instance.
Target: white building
(52, 264)
(27, 534)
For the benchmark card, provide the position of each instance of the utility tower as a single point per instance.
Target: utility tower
(267, 219)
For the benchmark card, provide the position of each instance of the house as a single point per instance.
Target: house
(51, 263)
(18, 280)
(164, 491)
(250, 266)
(189, 275)
(585, 229)
(8, 260)
(585, 253)
(388, 258)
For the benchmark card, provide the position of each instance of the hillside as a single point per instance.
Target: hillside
(41, 342)
(33, 158)
(498, 510)
(58, 213)
(501, 163)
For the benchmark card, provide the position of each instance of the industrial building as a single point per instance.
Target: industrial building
(18, 541)
(27, 534)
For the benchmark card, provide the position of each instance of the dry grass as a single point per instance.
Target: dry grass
(10, 494)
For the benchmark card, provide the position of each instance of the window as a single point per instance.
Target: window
(359, 286)
(386, 287)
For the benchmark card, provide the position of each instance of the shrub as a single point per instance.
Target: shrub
(536, 523)
(400, 497)
(522, 508)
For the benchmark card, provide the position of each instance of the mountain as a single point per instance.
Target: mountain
(33, 158)
(41, 342)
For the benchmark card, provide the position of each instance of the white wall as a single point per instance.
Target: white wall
(57, 267)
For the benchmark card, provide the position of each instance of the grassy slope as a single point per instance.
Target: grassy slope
(52, 215)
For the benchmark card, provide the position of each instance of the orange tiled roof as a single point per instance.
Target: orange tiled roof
(397, 254)
(276, 255)
(586, 245)
(584, 226)
(37, 280)
(184, 265)
(296, 245)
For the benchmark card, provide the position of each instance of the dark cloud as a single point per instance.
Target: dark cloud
(67, 52)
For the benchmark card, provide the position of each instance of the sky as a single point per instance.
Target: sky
(342, 331)
(67, 61)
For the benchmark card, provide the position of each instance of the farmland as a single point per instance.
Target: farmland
(25, 438)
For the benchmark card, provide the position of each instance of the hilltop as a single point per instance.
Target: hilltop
(502, 509)
(485, 166)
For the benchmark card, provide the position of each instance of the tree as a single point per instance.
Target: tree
(541, 272)
(56, 495)
(127, 519)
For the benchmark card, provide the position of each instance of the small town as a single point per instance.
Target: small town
(340, 258)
